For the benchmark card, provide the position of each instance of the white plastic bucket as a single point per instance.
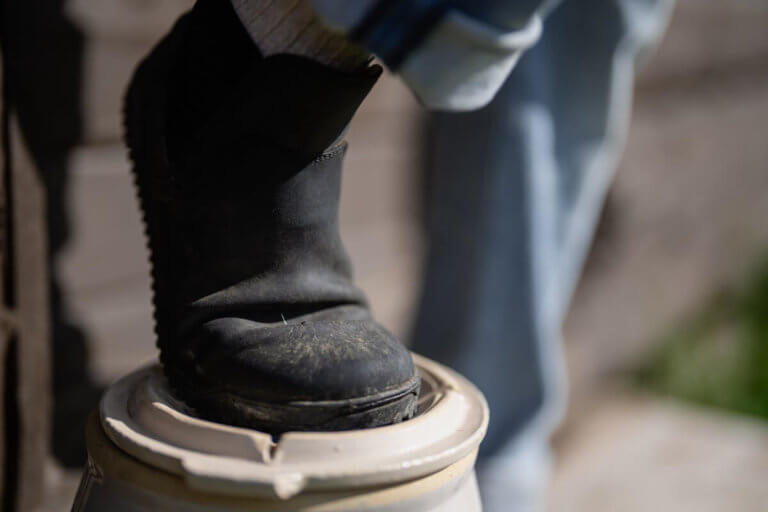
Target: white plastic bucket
(147, 452)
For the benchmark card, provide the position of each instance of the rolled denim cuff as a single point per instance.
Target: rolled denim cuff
(463, 62)
(450, 60)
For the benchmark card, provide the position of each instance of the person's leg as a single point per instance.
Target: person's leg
(237, 155)
(514, 194)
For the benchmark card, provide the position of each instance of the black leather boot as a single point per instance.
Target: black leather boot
(257, 320)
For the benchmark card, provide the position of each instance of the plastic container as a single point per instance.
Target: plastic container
(148, 452)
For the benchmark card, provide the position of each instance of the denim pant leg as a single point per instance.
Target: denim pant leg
(514, 193)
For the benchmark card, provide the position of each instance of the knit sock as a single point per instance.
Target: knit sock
(291, 26)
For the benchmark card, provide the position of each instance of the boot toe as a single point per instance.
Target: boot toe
(310, 374)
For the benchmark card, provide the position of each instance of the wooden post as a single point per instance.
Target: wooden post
(30, 317)
(25, 397)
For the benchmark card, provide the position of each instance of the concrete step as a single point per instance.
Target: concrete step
(638, 454)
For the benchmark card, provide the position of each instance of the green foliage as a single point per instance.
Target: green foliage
(720, 357)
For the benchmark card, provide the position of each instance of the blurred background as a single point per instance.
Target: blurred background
(667, 336)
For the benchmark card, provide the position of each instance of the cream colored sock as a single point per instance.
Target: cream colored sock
(291, 26)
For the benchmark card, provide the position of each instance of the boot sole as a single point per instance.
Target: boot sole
(385, 408)
(142, 119)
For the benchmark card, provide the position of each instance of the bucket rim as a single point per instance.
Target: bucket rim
(140, 415)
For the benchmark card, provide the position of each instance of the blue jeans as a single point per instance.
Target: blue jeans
(515, 191)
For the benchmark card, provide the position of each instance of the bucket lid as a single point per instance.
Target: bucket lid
(139, 414)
